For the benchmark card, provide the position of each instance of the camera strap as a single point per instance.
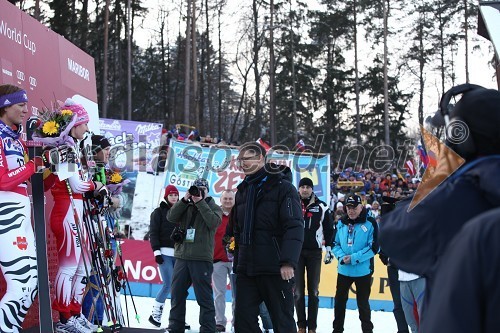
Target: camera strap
(195, 213)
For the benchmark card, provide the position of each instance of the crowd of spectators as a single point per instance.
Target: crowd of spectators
(374, 189)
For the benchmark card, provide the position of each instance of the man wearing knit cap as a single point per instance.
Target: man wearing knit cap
(100, 148)
(318, 228)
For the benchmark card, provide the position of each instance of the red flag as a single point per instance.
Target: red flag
(263, 144)
(300, 145)
(410, 167)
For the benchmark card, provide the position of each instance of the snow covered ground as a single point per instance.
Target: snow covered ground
(383, 321)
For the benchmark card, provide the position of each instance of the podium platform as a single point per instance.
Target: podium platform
(122, 330)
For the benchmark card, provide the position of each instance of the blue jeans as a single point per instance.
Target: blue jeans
(166, 270)
(412, 292)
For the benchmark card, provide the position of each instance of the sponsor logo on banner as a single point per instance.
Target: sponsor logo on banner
(21, 243)
(78, 69)
(113, 126)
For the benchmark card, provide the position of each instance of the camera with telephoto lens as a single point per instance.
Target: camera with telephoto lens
(195, 191)
(178, 235)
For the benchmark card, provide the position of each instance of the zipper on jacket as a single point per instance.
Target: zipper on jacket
(289, 204)
(275, 242)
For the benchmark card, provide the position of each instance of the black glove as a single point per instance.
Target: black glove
(103, 192)
(159, 259)
(100, 190)
(59, 155)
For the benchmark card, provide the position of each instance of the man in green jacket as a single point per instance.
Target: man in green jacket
(197, 217)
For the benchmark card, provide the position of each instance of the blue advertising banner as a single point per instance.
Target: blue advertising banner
(217, 164)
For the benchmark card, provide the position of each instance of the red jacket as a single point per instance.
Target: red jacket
(219, 249)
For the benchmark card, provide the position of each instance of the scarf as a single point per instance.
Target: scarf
(254, 182)
(10, 132)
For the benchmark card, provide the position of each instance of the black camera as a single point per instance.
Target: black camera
(178, 235)
(196, 192)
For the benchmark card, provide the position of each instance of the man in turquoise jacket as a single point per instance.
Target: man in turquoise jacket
(354, 247)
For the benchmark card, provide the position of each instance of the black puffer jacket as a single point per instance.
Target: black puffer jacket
(278, 228)
(318, 224)
(159, 228)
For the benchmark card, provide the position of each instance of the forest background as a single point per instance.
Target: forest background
(316, 67)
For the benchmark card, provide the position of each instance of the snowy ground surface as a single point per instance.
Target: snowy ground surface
(383, 321)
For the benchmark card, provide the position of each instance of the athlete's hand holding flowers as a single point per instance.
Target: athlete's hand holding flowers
(115, 182)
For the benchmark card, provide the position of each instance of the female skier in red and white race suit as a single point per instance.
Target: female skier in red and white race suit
(71, 278)
(17, 241)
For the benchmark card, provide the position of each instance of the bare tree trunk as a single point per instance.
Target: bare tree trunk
(441, 47)
(187, 76)
(129, 61)
(84, 24)
(209, 73)
(104, 106)
(37, 10)
(164, 83)
(256, 48)
(272, 104)
(240, 105)
(386, 84)
(421, 75)
(219, 117)
(466, 37)
(356, 72)
(294, 91)
(195, 69)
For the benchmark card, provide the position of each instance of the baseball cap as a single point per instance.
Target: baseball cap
(353, 201)
(201, 182)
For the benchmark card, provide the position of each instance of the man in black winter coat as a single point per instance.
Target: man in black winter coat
(417, 241)
(269, 232)
(469, 295)
(318, 229)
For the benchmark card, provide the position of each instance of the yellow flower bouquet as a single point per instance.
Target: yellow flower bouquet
(54, 126)
(115, 182)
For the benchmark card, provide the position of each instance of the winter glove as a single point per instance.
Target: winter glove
(328, 256)
(115, 202)
(59, 155)
(159, 259)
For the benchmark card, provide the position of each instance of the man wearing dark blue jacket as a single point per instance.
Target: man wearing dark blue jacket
(268, 232)
(418, 240)
(354, 247)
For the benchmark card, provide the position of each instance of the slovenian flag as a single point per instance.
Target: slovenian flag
(300, 145)
(263, 144)
(423, 156)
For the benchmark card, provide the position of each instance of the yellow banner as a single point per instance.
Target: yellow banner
(380, 282)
